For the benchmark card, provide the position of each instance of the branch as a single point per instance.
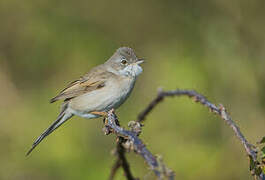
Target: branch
(162, 94)
(213, 108)
(115, 168)
(121, 162)
(111, 126)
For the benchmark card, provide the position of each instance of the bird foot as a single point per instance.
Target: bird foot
(104, 114)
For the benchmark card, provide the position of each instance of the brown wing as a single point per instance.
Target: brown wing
(93, 80)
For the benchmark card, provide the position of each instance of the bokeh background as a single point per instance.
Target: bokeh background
(215, 47)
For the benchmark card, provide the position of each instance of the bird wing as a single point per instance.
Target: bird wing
(93, 80)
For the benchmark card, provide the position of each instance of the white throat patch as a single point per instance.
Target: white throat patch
(131, 70)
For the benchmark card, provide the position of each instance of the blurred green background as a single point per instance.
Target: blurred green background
(215, 47)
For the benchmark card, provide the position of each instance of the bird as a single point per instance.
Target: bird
(104, 87)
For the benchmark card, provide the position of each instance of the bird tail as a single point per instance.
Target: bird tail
(62, 118)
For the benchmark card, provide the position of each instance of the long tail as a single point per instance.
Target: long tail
(62, 118)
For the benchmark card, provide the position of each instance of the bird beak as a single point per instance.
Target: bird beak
(140, 61)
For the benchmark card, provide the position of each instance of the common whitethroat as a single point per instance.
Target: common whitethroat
(103, 88)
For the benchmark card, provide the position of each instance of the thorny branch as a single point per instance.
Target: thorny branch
(121, 162)
(219, 110)
(111, 126)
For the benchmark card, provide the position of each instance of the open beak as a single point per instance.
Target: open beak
(140, 61)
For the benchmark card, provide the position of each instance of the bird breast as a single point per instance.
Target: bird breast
(112, 95)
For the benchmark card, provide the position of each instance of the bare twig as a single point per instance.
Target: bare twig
(162, 94)
(120, 152)
(115, 168)
(213, 108)
(121, 162)
(154, 163)
(138, 145)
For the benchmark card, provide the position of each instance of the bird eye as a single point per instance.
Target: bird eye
(124, 61)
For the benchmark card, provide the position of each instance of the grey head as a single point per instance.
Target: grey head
(124, 62)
